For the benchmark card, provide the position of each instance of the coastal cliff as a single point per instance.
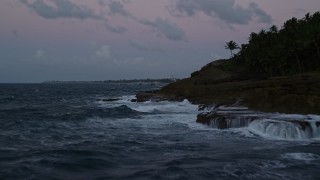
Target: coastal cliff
(215, 84)
(278, 70)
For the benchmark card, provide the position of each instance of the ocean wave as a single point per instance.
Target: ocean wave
(285, 130)
(301, 156)
(6, 98)
(120, 111)
(149, 106)
(267, 125)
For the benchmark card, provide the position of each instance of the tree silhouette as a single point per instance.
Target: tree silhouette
(232, 46)
(292, 49)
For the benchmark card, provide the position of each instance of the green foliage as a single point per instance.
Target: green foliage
(293, 49)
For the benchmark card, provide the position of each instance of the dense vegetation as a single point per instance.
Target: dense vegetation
(245, 79)
(293, 49)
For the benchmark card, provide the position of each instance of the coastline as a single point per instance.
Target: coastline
(296, 94)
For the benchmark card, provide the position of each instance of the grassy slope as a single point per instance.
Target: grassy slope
(224, 82)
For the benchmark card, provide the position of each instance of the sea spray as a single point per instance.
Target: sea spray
(278, 129)
(270, 125)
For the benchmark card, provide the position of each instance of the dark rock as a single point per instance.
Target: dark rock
(149, 96)
(110, 100)
(202, 107)
(222, 117)
(220, 83)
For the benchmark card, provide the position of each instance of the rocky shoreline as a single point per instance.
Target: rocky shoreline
(238, 97)
(296, 94)
(224, 117)
(219, 116)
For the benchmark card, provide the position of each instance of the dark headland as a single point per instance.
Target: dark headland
(277, 71)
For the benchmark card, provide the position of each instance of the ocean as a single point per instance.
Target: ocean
(94, 131)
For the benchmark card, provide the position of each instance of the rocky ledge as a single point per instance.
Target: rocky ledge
(224, 117)
(270, 124)
(233, 90)
(217, 84)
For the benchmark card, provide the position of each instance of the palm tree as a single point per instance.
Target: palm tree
(273, 29)
(232, 46)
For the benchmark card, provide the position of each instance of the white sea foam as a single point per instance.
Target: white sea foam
(301, 156)
(150, 107)
(164, 112)
(165, 107)
(286, 130)
(244, 131)
(276, 126)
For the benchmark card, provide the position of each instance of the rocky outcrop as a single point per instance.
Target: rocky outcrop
(110, 99)
(217, 83)
(149, 96)
(232, 90)
(275, 125)
(228, 117)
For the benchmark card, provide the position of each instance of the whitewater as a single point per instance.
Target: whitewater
(94, 131)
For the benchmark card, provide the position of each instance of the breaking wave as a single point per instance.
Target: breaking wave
(299, 130)
(301, 156)
(151, 107)
(93, 131)
(267, 125)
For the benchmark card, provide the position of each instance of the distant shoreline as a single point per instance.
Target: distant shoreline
(167, 80)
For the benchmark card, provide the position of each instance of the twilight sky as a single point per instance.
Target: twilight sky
(128, 39)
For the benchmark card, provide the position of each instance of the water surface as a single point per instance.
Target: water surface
(69, 131)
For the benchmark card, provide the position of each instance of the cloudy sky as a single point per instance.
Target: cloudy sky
(127, 39)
